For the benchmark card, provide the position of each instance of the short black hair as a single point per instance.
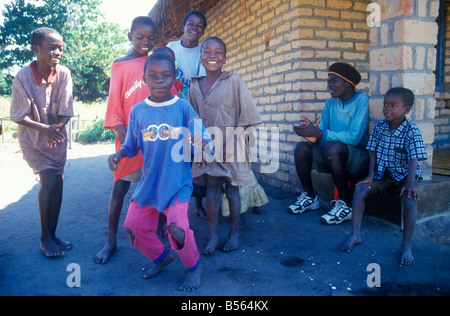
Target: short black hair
(164, 50)
(405, 94)
(39, 35)
(160, 57)
(197, 13)
(142, 20)
(217, 39)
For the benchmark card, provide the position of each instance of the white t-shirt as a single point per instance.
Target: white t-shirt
(188, 60)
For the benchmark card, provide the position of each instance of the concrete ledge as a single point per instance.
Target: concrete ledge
(434, 198)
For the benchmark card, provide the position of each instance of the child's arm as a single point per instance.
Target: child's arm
(409, 186)
(372, 166)
(51, 131)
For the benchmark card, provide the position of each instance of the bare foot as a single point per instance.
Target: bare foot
(192, 281)
(106, 253)
(352, 241)
(63, 245)
(153, 271)
(232, 243)
(211, 247)
(407, 257)
(51, 250)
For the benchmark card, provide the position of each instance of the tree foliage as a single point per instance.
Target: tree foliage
(91, 43)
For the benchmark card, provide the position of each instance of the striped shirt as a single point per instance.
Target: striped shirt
(395, 148)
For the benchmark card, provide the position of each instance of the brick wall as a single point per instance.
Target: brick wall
(283, 49)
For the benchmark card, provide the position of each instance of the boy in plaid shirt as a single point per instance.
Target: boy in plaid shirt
(396, 146)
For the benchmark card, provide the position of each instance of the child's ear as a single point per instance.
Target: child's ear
(130, 37)
(407, 109)
(34, 48)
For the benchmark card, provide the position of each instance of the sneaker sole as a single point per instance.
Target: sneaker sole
(308, 208)
(346, 219)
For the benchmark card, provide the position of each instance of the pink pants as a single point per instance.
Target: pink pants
(143, 222)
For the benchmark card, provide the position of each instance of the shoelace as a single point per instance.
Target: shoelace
(302, 199)
(337, 206)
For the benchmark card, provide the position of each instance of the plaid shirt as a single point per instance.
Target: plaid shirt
(394, 149)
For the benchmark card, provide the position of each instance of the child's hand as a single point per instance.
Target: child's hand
(113, 162)
(411, 190)
(367, 181)
(53, 132)
(197, 141)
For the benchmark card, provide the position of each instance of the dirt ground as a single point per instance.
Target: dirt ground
(280, 254)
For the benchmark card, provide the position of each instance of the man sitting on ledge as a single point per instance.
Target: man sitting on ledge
(336, 145)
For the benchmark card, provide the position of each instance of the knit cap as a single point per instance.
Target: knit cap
(346, 72)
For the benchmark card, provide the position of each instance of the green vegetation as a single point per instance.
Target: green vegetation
(91, 43)
(95, 132)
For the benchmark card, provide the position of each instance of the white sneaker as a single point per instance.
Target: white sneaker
(304, 203)
(339, 214)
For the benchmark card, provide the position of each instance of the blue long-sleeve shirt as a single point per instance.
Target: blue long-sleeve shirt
(347, 122)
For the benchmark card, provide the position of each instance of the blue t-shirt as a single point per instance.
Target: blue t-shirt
(347, 122)
(160, 131)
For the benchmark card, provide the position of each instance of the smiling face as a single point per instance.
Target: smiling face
(50, 52)
(394, 110)
(159, 77)
(194, 28)
(213, 55)
(143, 39)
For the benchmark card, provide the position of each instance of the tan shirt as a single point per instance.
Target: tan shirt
(42, 102)
(229, 104)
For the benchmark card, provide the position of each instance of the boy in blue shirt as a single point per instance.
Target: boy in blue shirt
(395, 148)
(336, 146)
(160, 127)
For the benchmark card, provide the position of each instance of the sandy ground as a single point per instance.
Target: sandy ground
(280, 254)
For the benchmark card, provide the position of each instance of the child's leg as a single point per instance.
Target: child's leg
(213, 193)
(409, 223)
(337, 156)
(181, 238)
(119, 190)
(362, 191)
(49, 202)
(141, 224)
(234, 201)
(303, 156)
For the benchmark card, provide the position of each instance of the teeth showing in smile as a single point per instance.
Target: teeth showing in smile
(212, 62)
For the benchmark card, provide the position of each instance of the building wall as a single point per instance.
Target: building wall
(283, 49)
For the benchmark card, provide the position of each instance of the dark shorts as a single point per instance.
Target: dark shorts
(357, 163)
(387, 182)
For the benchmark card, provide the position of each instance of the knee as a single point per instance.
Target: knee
(130, 232)
(409, 206)
(336, 150)
(361, 191)
(302, 149)
(177, 234)
(232, 192)
(213, 193)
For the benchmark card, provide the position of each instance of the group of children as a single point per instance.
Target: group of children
(159, 133)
